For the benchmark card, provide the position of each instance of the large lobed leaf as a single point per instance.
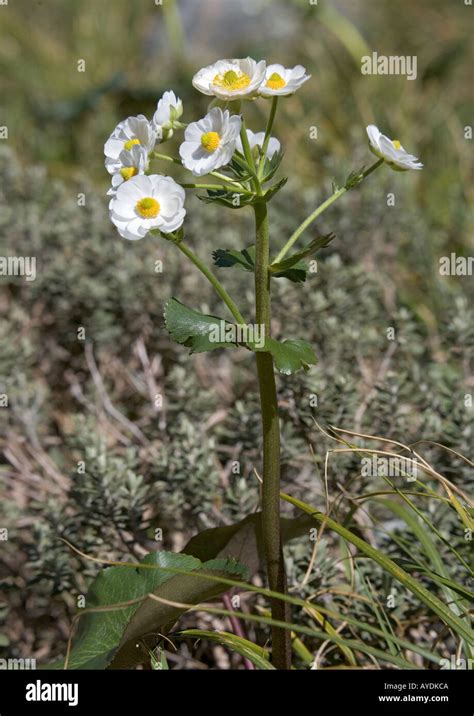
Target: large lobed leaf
(121, 637)
(198, 332)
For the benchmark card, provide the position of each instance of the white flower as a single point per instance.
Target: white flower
(210, 143)
(144, 203)
(132, 131)
(256, 140)
(132, 162)
(281, 82)
(231, 79)
(391, 151)
(168, 111)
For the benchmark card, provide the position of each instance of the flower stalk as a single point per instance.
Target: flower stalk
(317, 212)
(215, 283)
(281, 646)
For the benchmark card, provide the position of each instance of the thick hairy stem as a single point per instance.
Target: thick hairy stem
(281, 642)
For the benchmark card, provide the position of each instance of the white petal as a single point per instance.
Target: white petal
(188, 149)
(373, 133)
(274, 147)
(113, 147)
(175, 223)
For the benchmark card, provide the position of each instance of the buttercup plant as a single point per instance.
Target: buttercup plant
(241, 166)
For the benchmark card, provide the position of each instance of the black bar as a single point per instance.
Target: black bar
(344, 691)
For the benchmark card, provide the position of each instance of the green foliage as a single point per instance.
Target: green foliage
(245, 259)
(193, 329)
(242, 540)
(197, 332)
(235, 200)
(296, 259)
(294, 270)
(290, 356)
(118, 614)
(433, 603)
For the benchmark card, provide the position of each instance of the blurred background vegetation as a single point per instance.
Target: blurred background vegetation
(72, 400)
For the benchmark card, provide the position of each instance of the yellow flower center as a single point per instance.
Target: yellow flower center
(148, 208)
(128, 145)
(232, 80)
(276, 81)
(128, 172)
(210, 141)
(396, 144)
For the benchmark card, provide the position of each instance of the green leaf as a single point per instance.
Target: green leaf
(290, 356)
(238, 170)
(243, 540)
(354, 179)
(270, 193)
(194, 329)
(244, 647)
(272, 165)
(201, 333)
(230, 199)
(103, 637)
(296, 273)
(235, 200)
(244, 260)
(153, 617)
(320, 242)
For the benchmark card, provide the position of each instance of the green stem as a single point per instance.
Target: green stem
(250, 161)
(312, 217)
(174, 28)
(268, 133)
(165, 158)
(217, 175)
(218, 287)
(224, 178)
(281, 643)
(216, 187)
(252, 175)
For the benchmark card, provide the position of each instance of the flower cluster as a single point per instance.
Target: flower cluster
(232, 80)
(142, 201)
